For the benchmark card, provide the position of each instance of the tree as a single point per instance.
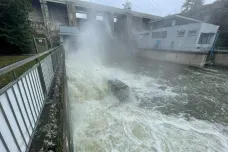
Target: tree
(191, 5)
(15, 30)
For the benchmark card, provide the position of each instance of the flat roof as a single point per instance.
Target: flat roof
(176, 16)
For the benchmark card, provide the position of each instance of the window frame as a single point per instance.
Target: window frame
(159, 35)
(207, 39)
(181, 33)
(190, 34)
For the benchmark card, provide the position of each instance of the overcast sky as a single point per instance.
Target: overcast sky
(155, 7)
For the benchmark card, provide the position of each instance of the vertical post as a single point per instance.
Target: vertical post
(129, 25)
(23, 102)
(109, 20)
(14, 75)
(91, 15)
(4, 143)
(10, 128)
(141, 24)
(29, 102)
(34, 40)
(213, 47)
(40, 75)
(42, 81)
(22, 116)
(15, 117)
(46, 44)
(71, 11)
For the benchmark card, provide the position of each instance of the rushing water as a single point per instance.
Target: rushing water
(171, 108)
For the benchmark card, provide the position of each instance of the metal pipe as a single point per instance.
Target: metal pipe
(213, 47)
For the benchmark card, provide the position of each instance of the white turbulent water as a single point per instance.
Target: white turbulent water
(101, 124)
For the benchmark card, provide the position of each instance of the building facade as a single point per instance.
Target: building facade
(178, 33)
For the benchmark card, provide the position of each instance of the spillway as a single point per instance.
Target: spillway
(171, 109)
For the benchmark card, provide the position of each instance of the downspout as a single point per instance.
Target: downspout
(213, 46)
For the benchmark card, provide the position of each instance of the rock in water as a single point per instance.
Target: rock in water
(119, 89)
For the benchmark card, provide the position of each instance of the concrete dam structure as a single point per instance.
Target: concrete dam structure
(130, 28)
(118, 81)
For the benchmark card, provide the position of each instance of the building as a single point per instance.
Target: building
(178, 33)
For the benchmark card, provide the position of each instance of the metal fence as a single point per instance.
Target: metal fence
(22, 101)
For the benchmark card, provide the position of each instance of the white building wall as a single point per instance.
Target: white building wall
(173, 41)
(207, 28)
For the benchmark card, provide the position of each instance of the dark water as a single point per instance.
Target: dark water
(172, 108)
(201, 92)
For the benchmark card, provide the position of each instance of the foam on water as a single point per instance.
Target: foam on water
(100, 123)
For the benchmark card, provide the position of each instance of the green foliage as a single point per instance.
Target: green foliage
(191, 5)
(15, 30)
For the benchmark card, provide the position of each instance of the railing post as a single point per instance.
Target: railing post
(40, 74)
(53, 61)
(14, 75)
(56, 58)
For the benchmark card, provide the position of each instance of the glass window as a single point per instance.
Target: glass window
(99, 18)
(192, 32)
(205, 38)
(81, 15)
(180, 33)
(162, 34)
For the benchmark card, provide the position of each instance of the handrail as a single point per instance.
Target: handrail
(67, 130)
(23, 62)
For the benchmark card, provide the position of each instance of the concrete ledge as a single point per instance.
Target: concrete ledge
(197, 59)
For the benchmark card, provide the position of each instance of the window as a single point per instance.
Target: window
(180, 33)
(99, 18)
(143, 37)
(160, 35)
(205, 38)
(192, 32)
(81, 15)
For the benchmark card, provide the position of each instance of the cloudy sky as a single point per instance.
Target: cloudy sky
(155, 7)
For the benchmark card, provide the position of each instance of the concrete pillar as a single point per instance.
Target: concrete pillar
(91, 15)
(109, 20)
(141, 24)
(129, 24)
(71, 11)
(46, 18)
(45, 13)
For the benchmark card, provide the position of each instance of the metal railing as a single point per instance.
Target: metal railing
(22, 101)
(67, 130)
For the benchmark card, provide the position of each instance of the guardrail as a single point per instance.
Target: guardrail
(67, 130)
(22, 101)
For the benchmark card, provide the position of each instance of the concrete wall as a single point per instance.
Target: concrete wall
(175, 42)
(58, 15)
(36, 18)
(128, 26)
(185, 58)
(221, 58)
(121, 27)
